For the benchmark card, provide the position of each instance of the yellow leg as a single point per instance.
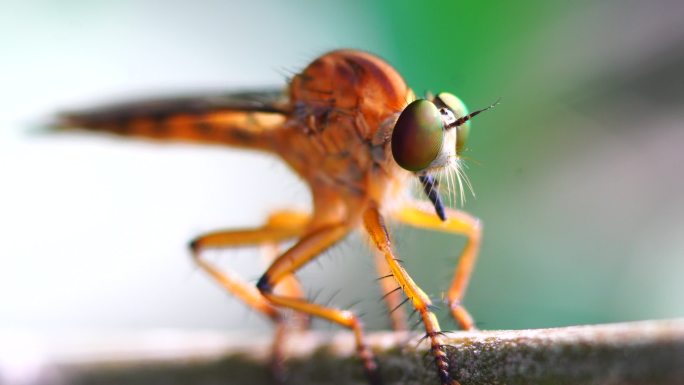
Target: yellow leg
(289, 286)
(390, 293)
(308, 248)
(458, 222)
(279, 227)
(375, 226)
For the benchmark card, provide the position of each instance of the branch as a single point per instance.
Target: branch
(649, 352)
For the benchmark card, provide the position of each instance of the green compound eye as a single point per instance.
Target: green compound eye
(418, 135)
(459, 109)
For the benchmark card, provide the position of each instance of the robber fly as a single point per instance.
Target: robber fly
(352, 129)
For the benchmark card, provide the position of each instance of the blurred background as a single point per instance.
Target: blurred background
(577, 173)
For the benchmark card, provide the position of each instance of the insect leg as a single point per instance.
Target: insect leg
(279, 227)
(305, 250)
(458, 222)
(375, 226)
(390, 294)
(290, 286)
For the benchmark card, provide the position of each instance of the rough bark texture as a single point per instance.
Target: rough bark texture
(650, 352)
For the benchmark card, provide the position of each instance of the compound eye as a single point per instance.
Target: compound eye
(459, 109)
(418, 135)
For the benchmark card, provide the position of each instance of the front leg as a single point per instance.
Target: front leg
(457, 222)
(375, 226)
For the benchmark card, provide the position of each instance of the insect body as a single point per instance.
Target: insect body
(350, 127)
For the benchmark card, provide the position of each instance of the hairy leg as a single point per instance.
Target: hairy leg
(457, 222)
(375, 226)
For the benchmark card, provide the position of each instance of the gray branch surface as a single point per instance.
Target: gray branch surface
(649, 352)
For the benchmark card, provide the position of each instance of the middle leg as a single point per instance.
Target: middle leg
(280, 226)
(308, 248)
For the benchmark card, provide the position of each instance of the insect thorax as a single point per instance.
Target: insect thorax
(339, 103)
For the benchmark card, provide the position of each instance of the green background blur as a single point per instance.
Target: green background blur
(578, 172)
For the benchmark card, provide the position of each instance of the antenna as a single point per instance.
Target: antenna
(466, 118)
